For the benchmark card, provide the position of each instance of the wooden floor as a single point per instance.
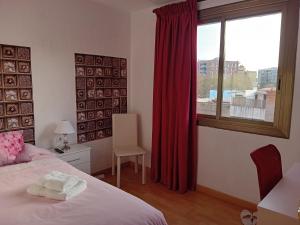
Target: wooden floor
(192, 208)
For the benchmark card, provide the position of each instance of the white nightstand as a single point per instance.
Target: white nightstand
(78, 156)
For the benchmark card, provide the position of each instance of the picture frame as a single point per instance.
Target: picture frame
(101, 83)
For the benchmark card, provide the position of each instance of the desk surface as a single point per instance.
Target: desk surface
(284, 199)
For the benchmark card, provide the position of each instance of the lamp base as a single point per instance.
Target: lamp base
(66, 147)
(66, 144)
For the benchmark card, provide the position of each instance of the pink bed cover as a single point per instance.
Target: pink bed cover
(99, 204)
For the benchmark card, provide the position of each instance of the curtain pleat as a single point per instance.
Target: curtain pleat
(174, 134)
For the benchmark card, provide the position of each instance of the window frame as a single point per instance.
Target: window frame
(286, 66)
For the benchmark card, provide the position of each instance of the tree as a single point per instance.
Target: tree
(205, 84)
(241, 81)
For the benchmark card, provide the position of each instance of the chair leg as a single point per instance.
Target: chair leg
(118, 171)
(136, 164)
(143, 170)
(113, 164)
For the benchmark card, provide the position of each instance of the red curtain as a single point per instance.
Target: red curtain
(174, 135)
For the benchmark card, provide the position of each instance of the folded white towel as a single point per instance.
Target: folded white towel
(38, 190)
(58, 181)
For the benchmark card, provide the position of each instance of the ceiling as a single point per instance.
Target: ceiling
(133, 5)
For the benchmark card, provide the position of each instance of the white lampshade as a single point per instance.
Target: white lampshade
(64, 127)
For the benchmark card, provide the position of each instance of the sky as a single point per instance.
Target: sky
(253, 41)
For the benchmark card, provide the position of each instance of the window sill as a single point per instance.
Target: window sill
(253, 127)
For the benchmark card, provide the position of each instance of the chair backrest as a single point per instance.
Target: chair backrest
(124, 129)
(269, 169)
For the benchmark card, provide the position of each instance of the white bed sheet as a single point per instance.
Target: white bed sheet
(99, 204)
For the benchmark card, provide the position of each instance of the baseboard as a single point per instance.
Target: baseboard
(227, 198)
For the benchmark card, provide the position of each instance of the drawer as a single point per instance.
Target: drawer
(84, 167)
(76, 158)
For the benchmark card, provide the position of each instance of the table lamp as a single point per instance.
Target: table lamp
(64, 127)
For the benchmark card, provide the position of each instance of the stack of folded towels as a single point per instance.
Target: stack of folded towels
(57, 185)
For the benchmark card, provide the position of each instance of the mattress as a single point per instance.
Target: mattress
(99, 204)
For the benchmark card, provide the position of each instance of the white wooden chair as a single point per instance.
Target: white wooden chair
(125, 143)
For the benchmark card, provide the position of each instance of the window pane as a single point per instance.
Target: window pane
(208, 48)
(250, 67)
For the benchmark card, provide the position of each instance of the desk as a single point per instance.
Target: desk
(280, 206)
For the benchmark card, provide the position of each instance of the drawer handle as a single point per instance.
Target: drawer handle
(73, 160)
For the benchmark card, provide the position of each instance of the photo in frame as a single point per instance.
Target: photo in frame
(16, 104)
(101, 90)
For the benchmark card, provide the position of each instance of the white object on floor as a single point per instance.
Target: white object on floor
(58, 181)
(254, 218)
(38, 190)
(125, 143)
(248, 218)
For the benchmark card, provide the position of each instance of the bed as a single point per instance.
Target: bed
(99, 204)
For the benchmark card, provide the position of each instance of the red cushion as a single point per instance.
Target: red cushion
(269, 170)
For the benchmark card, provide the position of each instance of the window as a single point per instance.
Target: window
(208, 67)
(252, 47)
(246, 55)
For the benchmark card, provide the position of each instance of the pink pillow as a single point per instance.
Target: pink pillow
(11, 144)
(31, 152)
(24, 156)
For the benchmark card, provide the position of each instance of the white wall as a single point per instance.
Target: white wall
(55, 30)
(142, 67)
(224, 163)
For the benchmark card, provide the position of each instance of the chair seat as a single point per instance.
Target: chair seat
(128, 150)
